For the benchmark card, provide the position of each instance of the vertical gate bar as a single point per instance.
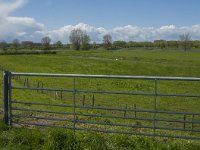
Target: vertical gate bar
(155, 104)
(74, 106)
(10, 98)
(5, 96)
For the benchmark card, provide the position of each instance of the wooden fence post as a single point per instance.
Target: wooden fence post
(83, 100)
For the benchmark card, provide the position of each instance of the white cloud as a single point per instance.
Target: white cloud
(127, 33)
(63, 33)
(8, 7)
(27, 28)
(22, 28)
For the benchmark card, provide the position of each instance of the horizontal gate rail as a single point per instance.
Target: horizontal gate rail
(112, 131)
(104, 116)
(104, 123)
(106, 76)
(108, 108)
(107, 92)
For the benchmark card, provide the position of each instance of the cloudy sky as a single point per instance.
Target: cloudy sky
(137, 20)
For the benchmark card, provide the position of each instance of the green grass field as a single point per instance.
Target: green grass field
(121, 62)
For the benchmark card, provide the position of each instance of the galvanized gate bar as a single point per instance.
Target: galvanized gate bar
(10, 98)
(109, 108)
(107, 76)
(106, 92)
(105, 116)
(111, 131)
(6, 96)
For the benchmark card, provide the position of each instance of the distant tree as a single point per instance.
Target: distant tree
(37, 45)
(75, 38)
(107, 41)
(195, 44)
(4, 45)
(160, 44)
(185, 41)
(172, 44)
(85, 42)
(79, 39)
(119, 44)
(46, 42)
(94, 45)
(67, 46)
(58, 44)
(16, 44)
(27, 44)
(131, 44)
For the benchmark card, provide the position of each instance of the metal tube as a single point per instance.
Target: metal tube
(105, 123)
(5, 97)
(110, 131)
(103, 116)
(107, 76)
(74, 105)
(109, 109)
(155, 105)
(107, 92)
(10, 99)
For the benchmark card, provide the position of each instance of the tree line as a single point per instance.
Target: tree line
(80, 40)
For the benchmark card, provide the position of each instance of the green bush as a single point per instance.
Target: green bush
(28, 52)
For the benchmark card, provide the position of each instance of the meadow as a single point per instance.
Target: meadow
(117, 62)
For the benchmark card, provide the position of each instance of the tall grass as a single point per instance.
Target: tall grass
(61, 139)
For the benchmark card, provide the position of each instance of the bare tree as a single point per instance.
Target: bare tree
(185, 41)
(79, 39)
(75, 38)
(46, 42)
(107, 41)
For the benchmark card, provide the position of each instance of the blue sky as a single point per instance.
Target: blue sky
(112, 13)
(138, 20)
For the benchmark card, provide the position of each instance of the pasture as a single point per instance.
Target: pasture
(119, 62)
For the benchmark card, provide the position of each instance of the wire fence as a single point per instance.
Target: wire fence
(135, 105)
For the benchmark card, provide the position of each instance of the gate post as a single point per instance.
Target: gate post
(5, 96)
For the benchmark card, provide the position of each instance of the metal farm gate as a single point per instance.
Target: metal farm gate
(135, 105)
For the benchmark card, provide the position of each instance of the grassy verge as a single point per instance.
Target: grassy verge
(60, 139)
